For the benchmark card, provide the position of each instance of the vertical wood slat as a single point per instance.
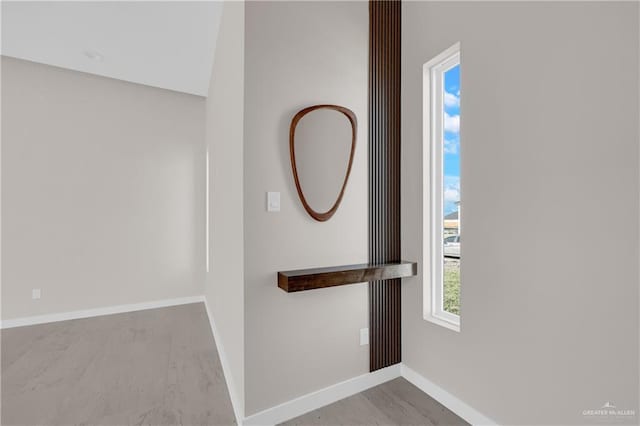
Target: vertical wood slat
(384, 179)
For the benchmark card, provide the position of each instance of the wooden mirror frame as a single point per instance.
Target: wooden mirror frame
(321, 217)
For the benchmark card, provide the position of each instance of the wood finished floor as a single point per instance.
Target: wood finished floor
(156, 367)
(397, 402)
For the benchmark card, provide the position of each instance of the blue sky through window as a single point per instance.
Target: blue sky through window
(451, 151)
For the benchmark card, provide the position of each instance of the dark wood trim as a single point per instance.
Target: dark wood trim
(309, 279)
(384, 179)
(321, 216)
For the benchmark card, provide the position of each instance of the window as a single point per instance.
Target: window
(441, 183)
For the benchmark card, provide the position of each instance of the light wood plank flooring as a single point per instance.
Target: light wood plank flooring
(155, 367)
(397, 402)
(158, 367)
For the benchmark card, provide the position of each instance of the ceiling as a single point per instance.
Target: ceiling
(162, 44)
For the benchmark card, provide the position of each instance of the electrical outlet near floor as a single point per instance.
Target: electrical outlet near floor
(35, 293)
(364, 336)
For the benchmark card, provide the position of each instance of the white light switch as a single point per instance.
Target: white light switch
(35, 293)
(364, 336)
(273, 201)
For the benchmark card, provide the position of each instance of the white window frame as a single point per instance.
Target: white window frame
(432, 178)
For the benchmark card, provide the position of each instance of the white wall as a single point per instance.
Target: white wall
(224, 288)
(299, 54)
(102, 191)
(549, 138)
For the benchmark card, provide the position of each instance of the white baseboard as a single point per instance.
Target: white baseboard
(107, 310)
(322, 397)
(236, 401)
(331, 394)
(460, 408)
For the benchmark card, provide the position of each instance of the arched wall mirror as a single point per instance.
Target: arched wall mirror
(322, 142)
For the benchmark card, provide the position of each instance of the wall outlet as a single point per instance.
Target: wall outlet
(35, 293)
(364, 336)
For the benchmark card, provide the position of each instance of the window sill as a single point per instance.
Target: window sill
(442, 322)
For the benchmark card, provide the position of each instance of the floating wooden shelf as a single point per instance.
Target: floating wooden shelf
(309, 279)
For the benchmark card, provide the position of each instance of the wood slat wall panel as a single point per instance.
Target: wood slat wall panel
(384, 179)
